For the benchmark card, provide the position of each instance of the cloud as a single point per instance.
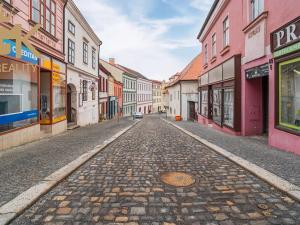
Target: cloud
(138, 41)
(202, 5)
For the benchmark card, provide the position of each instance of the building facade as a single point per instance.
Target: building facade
(165, 96)
(220, 81)
(144, 95)
(157, 96)
(103, 92)
(82, 55)
(183, 91)
(250, 83)
(129, 94)
(270, 73)
(118, 92)
(33, 90)
(112, 99)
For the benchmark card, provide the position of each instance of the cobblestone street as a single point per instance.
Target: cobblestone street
(122, 185)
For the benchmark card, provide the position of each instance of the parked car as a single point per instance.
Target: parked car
(137, 115)
(162, 111)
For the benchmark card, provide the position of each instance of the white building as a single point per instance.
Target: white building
(144, 95)
(183, 91)
(82, 48)
(157, 96)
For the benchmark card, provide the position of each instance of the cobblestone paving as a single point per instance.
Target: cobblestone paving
(253, 149)
(24, 166)
(121, 185)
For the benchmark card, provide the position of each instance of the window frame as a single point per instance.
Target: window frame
(214, 45)
(84, 90)
(281, 62)
(71, 25)
(226, 34)
(85, 53)
(206, 53)
(70, 50)
(256, 8)
(42, 14)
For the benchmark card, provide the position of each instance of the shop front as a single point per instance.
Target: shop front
(219, 97)
(53, 92)
(285, 113)
(19, 105)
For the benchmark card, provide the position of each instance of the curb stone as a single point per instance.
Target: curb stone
(274, 180)
(15, 207)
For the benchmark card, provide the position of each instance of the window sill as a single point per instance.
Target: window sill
(254, 22)
(213, 59)
(225, 50)
(33, 23)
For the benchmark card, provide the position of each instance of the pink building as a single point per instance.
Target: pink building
(264, 96)
(33, 91)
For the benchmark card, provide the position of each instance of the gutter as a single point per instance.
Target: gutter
(180, 98)
(208, 17)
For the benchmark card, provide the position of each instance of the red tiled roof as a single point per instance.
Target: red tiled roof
(191, 72)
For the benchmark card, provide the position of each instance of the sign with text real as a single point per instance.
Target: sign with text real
(288, 35)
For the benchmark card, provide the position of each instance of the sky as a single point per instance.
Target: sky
(157, 38)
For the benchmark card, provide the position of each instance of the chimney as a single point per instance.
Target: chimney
(112, 61)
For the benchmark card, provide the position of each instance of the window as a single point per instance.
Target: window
(217, 106)
(44, 12)
(229, 107)
(289, 94)
(85, 53)
(206, 54)
(226, 32)
(214, 45)
(71, 51)
(84, 90)
(71, 27)
(94, 58)
(204, 103)
(59, 96)
(256, 7)
(18, 96)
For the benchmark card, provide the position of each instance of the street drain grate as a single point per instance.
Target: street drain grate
(177, 179)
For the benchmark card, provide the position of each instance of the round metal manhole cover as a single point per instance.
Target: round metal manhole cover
(177, 179)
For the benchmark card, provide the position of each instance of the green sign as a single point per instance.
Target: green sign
(287, 50)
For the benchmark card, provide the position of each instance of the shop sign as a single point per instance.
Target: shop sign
(10, 118)
(288, 35)
(259, 71)
(26, 54)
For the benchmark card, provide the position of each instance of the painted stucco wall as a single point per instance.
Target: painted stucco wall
(117, 73)
(129, 95)
(189, 93)
(174, 100)
(157, 97)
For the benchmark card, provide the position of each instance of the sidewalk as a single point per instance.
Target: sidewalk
(254, 149)
(24, 166)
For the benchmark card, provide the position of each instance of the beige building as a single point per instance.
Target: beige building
(157, 96)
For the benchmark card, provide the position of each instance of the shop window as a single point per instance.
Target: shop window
(85, 53)
(289, 94)
(204, 103)
(256, 8)
(18, 96)
(44, 12)
(71, 27)
(84, 90)
(71, 52)
(229, 107)
(217, 106)
(59, 96)
(226, 32)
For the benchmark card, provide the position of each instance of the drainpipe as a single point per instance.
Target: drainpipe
(98, 71)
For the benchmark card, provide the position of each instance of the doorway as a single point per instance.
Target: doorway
(71, 104)
(265, 103)
(192, 111)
